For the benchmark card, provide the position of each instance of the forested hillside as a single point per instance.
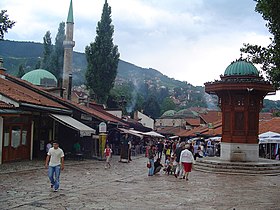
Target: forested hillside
(142, 88)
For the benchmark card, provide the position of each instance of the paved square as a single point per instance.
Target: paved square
(87, 185)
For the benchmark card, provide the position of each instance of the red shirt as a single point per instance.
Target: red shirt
(107, 152)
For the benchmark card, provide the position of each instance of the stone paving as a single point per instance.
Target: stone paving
(87, 185)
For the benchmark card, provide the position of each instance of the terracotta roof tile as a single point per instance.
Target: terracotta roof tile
(5, 105)
(99, 114)
(215, 130)
(193, 121)
(211, 116)
(266, 116)
(270, 125)
(22, 94)
(169, 130)
(264, 126)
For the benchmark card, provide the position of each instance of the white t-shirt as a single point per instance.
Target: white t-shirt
(186, 156)
(56, 155)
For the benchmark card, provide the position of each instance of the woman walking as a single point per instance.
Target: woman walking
(186, 159)
(151, 156)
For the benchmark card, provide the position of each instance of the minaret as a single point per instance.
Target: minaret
(68, 54)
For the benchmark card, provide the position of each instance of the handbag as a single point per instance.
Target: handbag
(149, 164)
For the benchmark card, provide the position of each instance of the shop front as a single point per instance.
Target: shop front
(16, 138)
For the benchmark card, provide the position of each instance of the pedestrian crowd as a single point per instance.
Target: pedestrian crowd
(179, 157)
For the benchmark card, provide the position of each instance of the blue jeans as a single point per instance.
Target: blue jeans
(151, 170)
(54, 171)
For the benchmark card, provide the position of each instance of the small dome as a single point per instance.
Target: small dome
(241, 68)
(169, 113)
(40, 77)
(186, 113)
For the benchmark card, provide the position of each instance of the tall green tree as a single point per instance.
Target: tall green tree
(151, 107)
(268, 57)
(47, 62)
(58, 52)
(20, 71)
(167, 104)
(103, 58)
(5, 23)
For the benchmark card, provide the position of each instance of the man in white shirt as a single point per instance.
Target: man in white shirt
(54, 163)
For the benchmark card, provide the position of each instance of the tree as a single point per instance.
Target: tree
(151, 107)
(5, 23)
(268, 57)
(47, 62)
(103, 58)
(38, 64)
(167, 104)
(162, 94)
(20, 71)
(58, 52)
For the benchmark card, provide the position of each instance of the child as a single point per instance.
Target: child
(172, 165)
(167, 165)
(108, 153)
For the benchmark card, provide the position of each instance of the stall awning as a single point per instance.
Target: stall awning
(131, 132)
(70, 122)
(269, 137)
(153, 134)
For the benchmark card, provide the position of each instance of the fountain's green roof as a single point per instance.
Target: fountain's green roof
(241, 68)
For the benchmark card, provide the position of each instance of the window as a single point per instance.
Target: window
(6, 138)
(15, 141)
(24, 137)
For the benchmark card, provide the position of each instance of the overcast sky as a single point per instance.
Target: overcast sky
(189, 40)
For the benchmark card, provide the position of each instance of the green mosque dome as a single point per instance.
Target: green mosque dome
(169, 113)
(241, 68)
(40, 77)
(186, 113)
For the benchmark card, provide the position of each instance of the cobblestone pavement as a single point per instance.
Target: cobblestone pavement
(87, 185)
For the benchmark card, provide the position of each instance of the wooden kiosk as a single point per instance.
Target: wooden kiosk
(241, 92)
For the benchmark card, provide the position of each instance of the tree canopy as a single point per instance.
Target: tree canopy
(102, 57)
(269, 56)
(20, 71)
(53, 55)
(5, 23)
(58, 52)
(48, 50)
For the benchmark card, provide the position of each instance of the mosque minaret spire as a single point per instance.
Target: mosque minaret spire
(68, 54)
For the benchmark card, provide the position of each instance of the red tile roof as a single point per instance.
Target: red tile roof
(22, 94)
(211, 116)
(5, 105)
(216, 129)
(97, 113)
(266, 116)
(270, 125)
(169, 130)
(193, 122)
